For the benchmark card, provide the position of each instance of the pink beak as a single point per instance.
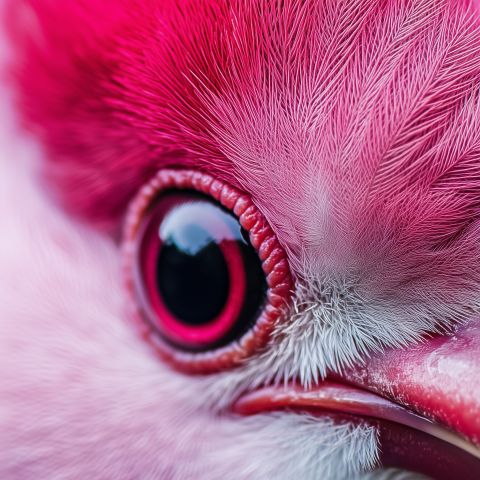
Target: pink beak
(425, 401)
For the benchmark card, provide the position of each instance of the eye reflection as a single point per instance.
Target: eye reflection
(191, 264)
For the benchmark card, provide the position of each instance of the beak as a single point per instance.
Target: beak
(425, 401)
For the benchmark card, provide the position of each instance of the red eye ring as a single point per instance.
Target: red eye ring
(272, 255)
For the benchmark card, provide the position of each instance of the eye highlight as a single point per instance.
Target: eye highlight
(206, 275)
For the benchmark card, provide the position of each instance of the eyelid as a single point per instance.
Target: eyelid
(273, 257)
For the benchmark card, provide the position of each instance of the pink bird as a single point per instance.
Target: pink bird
(240, 240)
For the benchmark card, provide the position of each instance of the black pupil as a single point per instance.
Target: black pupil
(194, 286)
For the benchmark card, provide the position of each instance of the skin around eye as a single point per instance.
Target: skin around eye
(206, 277)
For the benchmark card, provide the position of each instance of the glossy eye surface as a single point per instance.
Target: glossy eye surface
(200, 279)
(205, 275)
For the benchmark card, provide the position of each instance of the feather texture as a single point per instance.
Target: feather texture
(82, 396)
(354, 125)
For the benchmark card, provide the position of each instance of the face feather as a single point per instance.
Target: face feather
(81, 395)
(353, 126)
(365, 114)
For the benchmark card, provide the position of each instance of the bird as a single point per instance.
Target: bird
(240, 239)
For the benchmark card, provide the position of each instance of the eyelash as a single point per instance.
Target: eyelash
(271, 254)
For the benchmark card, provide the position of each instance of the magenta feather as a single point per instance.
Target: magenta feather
(354, 125)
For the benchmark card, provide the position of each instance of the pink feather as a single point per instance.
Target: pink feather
(358, 119)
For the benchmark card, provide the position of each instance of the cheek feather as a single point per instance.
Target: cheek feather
(82, 396)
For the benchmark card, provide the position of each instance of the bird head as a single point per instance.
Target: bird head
(240, 239)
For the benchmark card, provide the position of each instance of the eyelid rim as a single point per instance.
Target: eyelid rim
(271, 254)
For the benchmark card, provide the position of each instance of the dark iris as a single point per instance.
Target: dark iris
(194, 286)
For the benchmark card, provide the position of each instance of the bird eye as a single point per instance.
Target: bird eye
(206, 275)
(200, 278)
